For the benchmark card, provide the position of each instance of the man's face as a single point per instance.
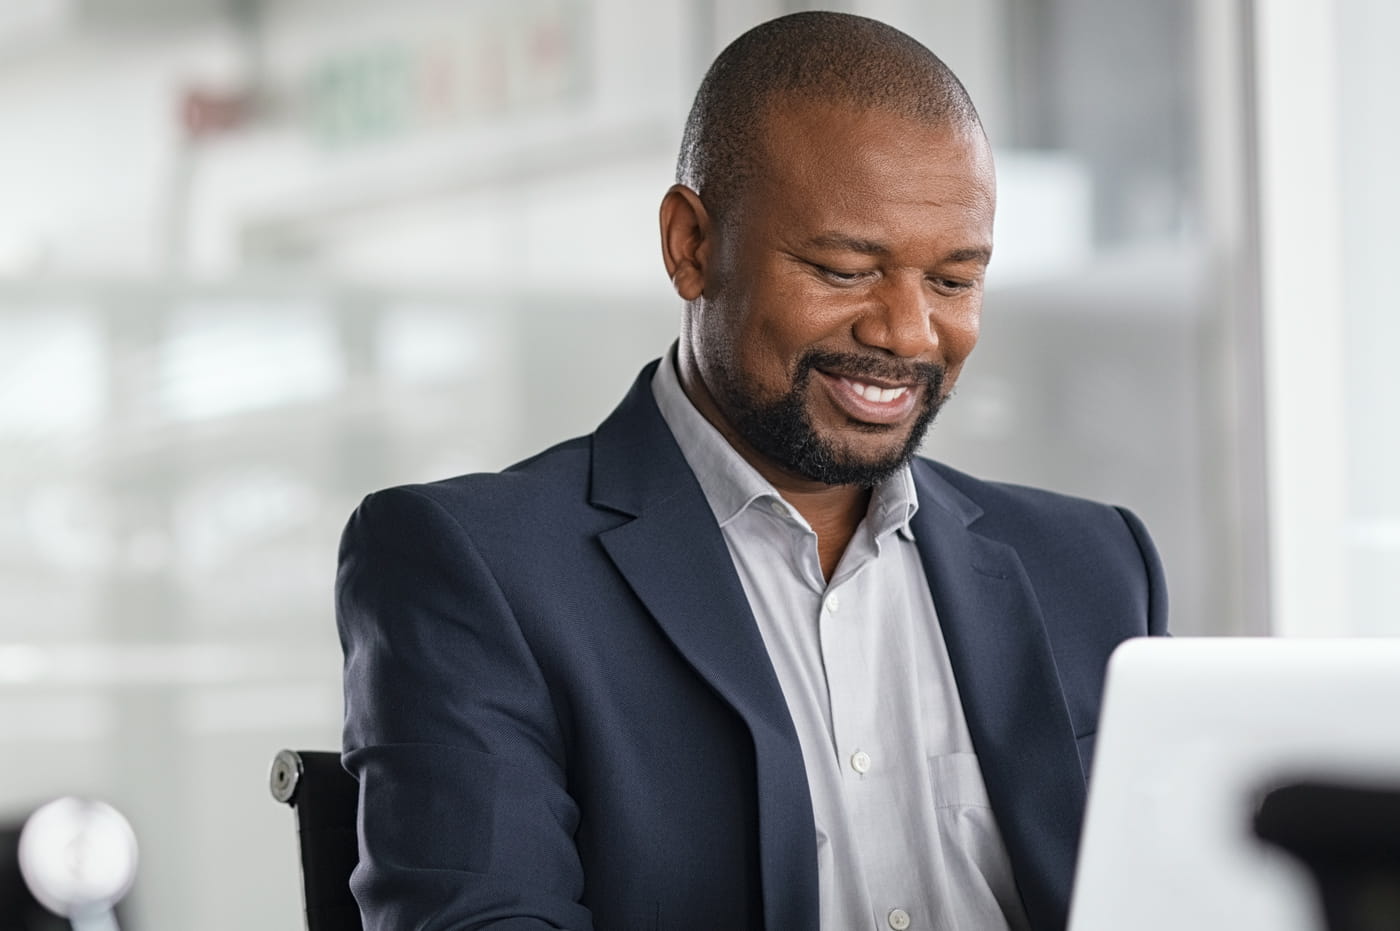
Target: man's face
(843, 291)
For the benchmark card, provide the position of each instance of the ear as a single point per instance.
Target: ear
(686, 240)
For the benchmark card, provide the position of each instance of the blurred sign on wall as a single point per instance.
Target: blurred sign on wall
(480, 65)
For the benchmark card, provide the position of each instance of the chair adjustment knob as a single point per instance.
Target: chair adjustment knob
(285, 775)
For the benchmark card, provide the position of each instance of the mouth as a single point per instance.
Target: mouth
(869, 400)
(876, 392)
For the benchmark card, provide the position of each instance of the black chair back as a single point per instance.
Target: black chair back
(325, 798)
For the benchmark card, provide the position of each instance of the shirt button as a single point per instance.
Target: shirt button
(778, 508)
(899, 919)
(860, 762)
(833, 603)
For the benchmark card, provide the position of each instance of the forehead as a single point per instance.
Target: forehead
(813, 155)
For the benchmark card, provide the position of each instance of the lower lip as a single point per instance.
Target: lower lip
(858, 407)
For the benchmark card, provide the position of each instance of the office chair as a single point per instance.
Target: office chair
(1349, 838)
(325, 798)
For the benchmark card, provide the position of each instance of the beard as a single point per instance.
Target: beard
(782, 429)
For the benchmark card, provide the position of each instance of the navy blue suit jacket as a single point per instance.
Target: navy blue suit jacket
(562, 714)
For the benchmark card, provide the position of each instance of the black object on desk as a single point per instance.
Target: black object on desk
(19, 910)
(1349, 837)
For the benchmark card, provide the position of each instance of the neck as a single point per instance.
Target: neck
(834, 515)
(833, 511)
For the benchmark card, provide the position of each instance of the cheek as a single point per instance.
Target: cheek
(767, 355)
(778, 312)
(960, 336)
(958, 342)
(746, 343)
(784, 320)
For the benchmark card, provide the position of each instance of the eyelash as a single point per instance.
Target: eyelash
(847, 278)
(842, 277)
(951, 285)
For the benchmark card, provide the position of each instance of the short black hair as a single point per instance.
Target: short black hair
(811, 56)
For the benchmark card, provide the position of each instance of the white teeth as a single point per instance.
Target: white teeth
(875, 394)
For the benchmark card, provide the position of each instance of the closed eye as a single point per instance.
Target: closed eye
(840, 276)
(953, 285)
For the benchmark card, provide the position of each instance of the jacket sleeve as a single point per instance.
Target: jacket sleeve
(1155, 577)
(464, 816)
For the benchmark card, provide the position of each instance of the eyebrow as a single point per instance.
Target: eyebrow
(848, 244)
(979, 254)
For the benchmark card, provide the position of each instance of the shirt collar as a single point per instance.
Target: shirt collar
(731, 484)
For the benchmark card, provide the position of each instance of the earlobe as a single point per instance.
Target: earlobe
(685, 240)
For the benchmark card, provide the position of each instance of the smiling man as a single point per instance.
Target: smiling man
(740, 659)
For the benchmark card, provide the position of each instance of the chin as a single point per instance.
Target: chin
(841, 461)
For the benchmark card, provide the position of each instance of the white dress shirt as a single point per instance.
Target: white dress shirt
(905, 834)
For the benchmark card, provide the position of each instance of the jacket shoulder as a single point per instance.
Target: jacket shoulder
(1061, 539)
(547, 482)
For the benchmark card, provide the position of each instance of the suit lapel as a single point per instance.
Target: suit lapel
(1010, 693)
(673, 555)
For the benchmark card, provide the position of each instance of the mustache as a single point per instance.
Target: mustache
(855, 364)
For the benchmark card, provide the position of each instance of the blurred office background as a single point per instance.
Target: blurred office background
(259, 257)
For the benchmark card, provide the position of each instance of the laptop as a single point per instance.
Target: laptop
(1193, 733)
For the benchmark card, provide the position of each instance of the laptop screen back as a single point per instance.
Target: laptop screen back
(1193, 732)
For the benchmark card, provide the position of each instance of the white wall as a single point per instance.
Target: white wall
(1368, 123)
(1329, 138)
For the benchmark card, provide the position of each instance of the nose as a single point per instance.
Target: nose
(900, 320)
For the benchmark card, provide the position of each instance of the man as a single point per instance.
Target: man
(738, 660)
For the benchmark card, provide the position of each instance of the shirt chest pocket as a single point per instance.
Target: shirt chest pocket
(957, 783)
(973, 855)
(966, 826)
